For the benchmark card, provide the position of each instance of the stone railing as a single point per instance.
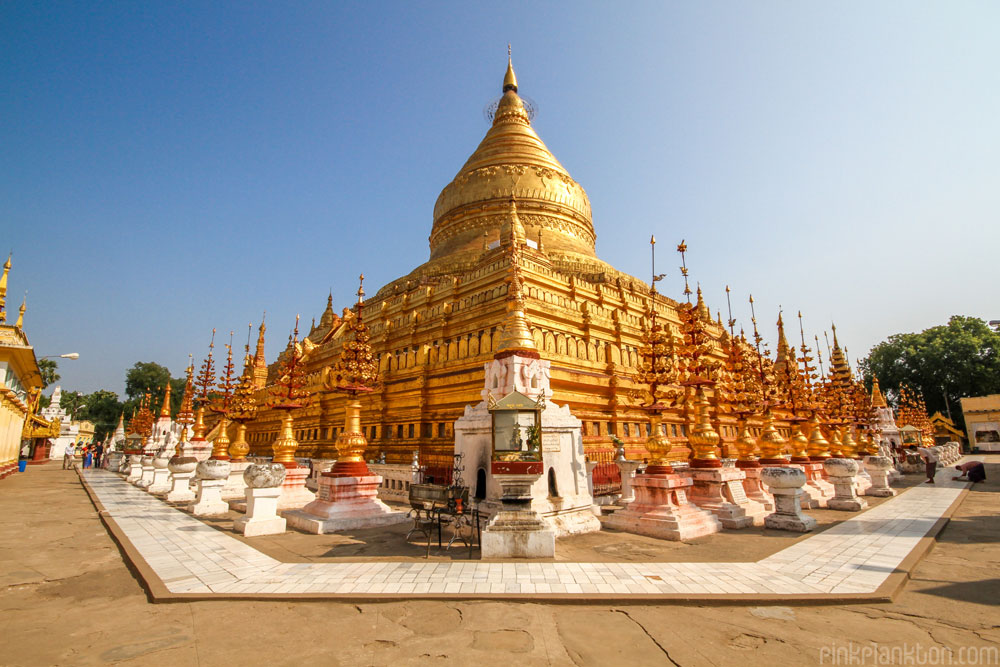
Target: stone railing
(396, 480)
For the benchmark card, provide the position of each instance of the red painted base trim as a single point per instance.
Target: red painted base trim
(706, 463)
(348, 469)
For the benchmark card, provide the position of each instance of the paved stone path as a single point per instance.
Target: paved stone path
(853, 557)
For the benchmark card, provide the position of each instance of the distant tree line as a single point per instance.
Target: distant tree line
(103, 407)
(944, 363)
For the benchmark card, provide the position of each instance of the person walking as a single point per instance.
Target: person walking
(98, 454)
(68, 456)
(88, 456)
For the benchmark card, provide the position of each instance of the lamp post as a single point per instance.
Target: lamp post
(69, 355)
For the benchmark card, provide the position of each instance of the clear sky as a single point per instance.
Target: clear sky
(167, 168)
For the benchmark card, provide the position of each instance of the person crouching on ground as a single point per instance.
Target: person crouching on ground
(930, 462)
(68, 456)
(973, 471)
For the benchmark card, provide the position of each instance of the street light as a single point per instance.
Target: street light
(70, 355)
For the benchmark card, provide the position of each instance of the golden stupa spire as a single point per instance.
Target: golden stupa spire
(509, 80)
(878, 400)
(702, 308)
(3, 290)
(784, 349)
(510, 108)
(259, 362)
(328, 317)
(512, 231)
(20, 312)
(165, 408)
(516, 336)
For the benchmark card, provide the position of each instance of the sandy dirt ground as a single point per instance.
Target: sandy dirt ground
(69, 599)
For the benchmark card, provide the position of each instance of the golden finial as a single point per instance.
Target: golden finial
(20, 311)
(509, 80)
(361, 288)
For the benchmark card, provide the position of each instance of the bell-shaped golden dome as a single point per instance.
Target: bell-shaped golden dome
(511, 161)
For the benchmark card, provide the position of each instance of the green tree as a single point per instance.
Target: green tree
(944, 363)
(102, 407)
(152, 377)
(72, 402)
(47, 368)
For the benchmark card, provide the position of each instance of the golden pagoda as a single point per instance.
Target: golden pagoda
(434, 329)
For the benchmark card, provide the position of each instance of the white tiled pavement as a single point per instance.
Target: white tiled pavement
(855, 556)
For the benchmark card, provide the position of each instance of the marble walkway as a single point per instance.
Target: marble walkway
(193, 560)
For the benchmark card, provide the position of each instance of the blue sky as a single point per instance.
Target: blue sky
(168, 168)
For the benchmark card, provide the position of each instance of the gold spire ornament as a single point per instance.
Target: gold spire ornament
(243, 407)
(203, 384)
(20, 312)
(165, 408)
(355, 373)
(878, 400)
(220, 447)
(515, 338)
(698, 371)
(185, 416)
(658, 371)
(289, 394)
(509, 80)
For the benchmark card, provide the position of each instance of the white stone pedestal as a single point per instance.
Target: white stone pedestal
(785, 484)
(755, 490)
(211, 475)
(720, 491)
(661, 509)
(208, 499)
(863, 480)
(235, 486)
(134, 469)
(147, 473)
(878, 468)
(180, 487)
(344, 503)
(517, 531)
(294, 494)
(262, 513)
(627, 469)
(842, 472)
(817, 490)
(161, 477)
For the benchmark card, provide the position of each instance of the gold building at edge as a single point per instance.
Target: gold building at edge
(436, 327)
